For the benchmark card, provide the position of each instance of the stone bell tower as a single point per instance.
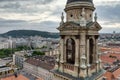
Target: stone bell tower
(78, 58)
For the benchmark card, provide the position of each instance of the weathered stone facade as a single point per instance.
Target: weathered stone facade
(78, 58)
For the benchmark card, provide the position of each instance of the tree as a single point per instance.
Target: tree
(38, 53)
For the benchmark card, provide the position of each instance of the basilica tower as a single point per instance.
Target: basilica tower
(78, 58)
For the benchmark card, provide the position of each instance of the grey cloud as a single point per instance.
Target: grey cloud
(13, 0)
(27, 7)
(7, 25)
(44, 1)
(110, 29)
(109, 13)
(11, 21)
(49, 24)
(10, 5)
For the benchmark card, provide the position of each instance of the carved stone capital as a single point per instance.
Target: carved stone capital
(77, 36)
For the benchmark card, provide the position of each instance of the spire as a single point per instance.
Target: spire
(82, 19)
(95, 18)
(62, 19)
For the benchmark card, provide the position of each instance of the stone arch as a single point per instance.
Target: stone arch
(70, 51)
(91, 50)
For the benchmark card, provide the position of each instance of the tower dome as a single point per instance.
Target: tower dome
(74, 8)
(70, 1)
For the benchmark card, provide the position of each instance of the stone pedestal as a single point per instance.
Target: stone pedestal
(83, 73)
(97, 66)
(76, 74)
(61, 67)
(89, 71)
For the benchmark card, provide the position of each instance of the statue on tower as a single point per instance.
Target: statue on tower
(82, 18)
(62, 19)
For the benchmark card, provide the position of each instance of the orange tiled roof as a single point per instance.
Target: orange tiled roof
(108, 75)
(20, 77)
(116, 73)
(115, 49)
(107, 59)
(45, 62)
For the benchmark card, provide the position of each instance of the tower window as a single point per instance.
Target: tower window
(90, 15)
(80, 14)
(91, 55)
(71, 15)
(70, 51)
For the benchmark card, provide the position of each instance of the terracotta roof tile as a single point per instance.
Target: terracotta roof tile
(20, 77)
(108, 75)
(44, 62)
(116, 73)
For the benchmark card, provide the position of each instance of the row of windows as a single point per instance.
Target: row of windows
(71, 15)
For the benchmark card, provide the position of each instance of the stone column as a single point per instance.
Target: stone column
(65, 52)
(61, 55)
(83, 70)
(88, 65)
(100, 61)
(62, 50)
(77, 52)
(97, 60)
(76, 57)
(94, 50)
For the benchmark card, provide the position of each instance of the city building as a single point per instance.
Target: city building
(4, 45)
(40, 66)
(19, 58)
(110, 62)
(78, 58)
(5, 70)
(7, 43)
(53, 52)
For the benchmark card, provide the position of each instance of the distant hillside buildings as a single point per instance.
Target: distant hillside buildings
(35, 42)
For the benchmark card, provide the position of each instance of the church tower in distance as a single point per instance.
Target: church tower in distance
(78, 58)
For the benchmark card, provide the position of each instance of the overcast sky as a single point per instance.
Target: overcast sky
(44, 15)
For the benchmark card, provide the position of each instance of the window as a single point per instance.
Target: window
(70, 51)
(71, 15)
(90, 15)
(91, 55)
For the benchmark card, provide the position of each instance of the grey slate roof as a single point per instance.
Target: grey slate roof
(70, 1)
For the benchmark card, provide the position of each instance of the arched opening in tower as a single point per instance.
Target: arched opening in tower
(70, 51)
(91, 46)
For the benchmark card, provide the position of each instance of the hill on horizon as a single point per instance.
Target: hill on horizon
(28, 33)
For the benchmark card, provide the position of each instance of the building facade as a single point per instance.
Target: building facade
(40, 66)
(5, 70)
(78, 58)
(19, 58)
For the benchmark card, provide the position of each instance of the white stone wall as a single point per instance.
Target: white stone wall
(38, 71)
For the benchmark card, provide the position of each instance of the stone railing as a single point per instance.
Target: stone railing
(93, 66)
(69, 66)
